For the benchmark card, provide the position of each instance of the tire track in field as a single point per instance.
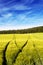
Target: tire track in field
(4, 55)
(19, 51)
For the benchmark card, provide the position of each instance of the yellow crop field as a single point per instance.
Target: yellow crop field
(21, 49)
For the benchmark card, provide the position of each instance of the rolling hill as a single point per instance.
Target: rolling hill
(29, 30)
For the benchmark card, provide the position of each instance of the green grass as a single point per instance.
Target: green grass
(28, 53)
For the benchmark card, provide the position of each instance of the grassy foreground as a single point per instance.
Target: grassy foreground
(30, 54)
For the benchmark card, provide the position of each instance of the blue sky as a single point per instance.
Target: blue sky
(19, 14)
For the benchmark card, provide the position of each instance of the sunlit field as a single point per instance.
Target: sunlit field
(30, 54)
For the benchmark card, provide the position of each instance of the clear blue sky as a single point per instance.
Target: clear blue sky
(19, 14)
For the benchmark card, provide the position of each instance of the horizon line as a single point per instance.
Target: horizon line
(20, 28)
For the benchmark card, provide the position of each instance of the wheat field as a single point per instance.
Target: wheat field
(21, 49)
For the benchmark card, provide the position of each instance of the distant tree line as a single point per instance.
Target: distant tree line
(22, 31)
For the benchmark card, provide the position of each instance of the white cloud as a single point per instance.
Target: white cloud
(7, 15)
(20, 7)
(26, 2)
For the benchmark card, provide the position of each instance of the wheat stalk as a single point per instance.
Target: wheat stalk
(37, 54)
